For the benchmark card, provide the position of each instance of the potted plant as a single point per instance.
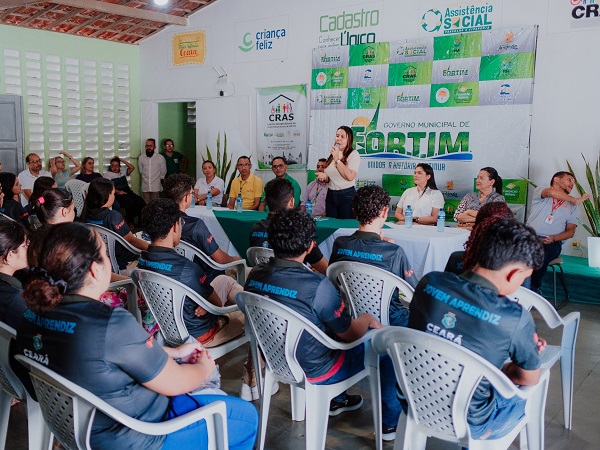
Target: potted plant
(223, 165)
(592, 209)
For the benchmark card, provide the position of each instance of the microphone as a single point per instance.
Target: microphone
(337, 146)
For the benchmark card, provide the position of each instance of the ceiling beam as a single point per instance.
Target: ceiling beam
(108, 8)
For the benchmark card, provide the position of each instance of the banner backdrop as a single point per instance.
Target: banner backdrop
(281, 125)
(458, 102)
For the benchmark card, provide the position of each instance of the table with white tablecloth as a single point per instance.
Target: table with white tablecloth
(426, 248)
(214, 227)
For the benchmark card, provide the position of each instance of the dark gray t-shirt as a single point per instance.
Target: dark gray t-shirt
(467, 310)
(105, 351)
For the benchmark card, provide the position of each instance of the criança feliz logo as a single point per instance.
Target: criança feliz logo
(261, 40)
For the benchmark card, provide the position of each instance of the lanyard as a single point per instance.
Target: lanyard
(556, 204)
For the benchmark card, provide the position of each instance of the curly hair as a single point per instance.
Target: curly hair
(177, 186)
(291, 232)
(368, 203)
(159, 216)
(61, 256)
(487, 215)
(509, 241)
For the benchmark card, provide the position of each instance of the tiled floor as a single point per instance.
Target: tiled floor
(355, 429)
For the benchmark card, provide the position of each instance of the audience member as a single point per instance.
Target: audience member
(99, 199)
(41, 185)
(163, 222)
(473, 311)
(292, 236)
(248, 185)
(11, 206)
(179, 188)
(128, 199)
(59, 169)
(279, 196)
(55, 206)
(369, 246)
(109, 354)
(211, 183)
(279, 167)
(29, 175)
(153, 168)
(176, 162)
(87, 173)
(424, 199)
(464, 260)
(316, 192)
(489, 185)
(13, 257)
(553, 216)
(342, 166)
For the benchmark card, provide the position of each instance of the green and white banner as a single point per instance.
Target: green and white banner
(281, 125)
(459, 102)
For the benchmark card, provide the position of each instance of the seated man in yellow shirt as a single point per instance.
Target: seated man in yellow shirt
(247, 184)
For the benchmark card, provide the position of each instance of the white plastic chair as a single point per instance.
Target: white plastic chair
(565, 352)
(189, 251)
(78, 189)
(276, 329)
(438, 378)
(132, 298)
(11, 387)
(111, 239)
(4, 216)
(369, 289)
(165, 297)
(259, 255)
(69, 411)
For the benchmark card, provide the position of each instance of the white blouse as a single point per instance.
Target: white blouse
(336, 181)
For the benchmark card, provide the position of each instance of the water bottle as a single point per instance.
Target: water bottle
(238, 203)
(209, 201)
(408, 218)
(193, 204)
(308, 205)
(441, 222)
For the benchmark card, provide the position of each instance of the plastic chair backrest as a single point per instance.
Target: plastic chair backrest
(259, 255)
(529, 299)
(368, 288)
(111, 239)
(4, 216)
(8, 380)
(438, 378)
(78, 189)
(190, 251)
(277, 330)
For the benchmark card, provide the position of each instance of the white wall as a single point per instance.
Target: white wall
(565, 100)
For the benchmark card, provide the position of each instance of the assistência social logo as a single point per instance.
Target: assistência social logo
(460, 19)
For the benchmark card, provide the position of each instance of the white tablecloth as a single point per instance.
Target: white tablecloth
(425, 248)
(214, 227)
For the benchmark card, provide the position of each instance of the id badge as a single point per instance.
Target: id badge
(549, 219)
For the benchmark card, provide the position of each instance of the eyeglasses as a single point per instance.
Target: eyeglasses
(35, 162)
(278, 166)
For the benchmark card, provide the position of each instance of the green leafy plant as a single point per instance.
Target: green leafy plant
(591, 205)
(221, 161)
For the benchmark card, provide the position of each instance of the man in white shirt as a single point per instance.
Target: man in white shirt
(153, 168)
(28, 176)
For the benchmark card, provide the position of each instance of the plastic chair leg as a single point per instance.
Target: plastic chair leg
(535, 424)
(265, 403)
(400, 432)
(298, 403)
(316, 422)
(374, 384)
(567, 365)
(40, 437)
(5, 400)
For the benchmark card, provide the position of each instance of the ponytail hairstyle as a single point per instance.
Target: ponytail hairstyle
(41, 185)
(60, 257)
(97, 195)
(493, 175)
(49, 204)
(489, 213)
(12, 236)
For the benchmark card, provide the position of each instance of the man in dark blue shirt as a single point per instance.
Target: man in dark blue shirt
(369, 246)
(279, 196)
(472, 310)
(286, 280)
(163, 222)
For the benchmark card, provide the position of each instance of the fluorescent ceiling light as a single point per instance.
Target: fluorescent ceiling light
(161, 2)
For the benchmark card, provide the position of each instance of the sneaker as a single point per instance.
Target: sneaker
(250, 393)
(350, 403)
(388, 433)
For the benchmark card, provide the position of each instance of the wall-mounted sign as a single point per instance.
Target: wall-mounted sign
(189, 48)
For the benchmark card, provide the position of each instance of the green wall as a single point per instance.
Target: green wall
(172, 124)
(65, 46)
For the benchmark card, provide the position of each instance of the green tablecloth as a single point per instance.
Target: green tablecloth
(237, 226)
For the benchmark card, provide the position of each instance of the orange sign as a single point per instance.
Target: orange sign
(189, 48)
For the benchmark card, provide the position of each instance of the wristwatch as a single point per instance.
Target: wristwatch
(416, 220)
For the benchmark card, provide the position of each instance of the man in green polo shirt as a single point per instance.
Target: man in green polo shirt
(176, 162)
(279, 168)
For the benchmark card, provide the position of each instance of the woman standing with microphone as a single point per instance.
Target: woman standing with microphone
(343, 164)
